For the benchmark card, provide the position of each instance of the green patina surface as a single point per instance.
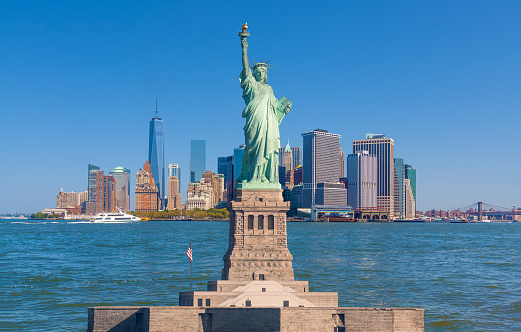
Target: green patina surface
(263, 113)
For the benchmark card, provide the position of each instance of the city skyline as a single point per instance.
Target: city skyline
(441, 80)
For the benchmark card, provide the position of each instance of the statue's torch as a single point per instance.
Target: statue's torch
(244, 34)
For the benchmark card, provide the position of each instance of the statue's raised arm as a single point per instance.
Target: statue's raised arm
(244, 44)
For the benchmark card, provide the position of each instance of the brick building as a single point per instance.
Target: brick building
(147, 194)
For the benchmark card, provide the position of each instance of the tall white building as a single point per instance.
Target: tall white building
(410, 204)
(320, 162)
(362, 177)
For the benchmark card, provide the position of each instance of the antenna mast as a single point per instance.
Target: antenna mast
(156, 104)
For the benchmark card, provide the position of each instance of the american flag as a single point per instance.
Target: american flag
(189, 252)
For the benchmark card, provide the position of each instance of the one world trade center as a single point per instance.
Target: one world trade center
(156, 155)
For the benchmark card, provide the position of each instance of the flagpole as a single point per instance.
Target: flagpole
(190, 268)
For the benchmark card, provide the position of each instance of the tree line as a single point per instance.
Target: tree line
(39, 215)
(213, 214)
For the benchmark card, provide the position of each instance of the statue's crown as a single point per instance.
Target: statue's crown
(262, 64)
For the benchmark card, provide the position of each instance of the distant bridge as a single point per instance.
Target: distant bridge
(481, 210)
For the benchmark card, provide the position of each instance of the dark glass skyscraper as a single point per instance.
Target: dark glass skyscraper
(225, 167)
(297, 160)
(156, 155)
(197, 159)
(237, 161)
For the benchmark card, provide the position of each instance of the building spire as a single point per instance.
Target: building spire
(288, 148)
(156, 104)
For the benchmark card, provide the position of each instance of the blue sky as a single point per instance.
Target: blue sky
(79, 78)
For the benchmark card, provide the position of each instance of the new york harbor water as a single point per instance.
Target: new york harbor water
(467, 277)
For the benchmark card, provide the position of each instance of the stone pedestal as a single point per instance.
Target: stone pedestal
(257, 248)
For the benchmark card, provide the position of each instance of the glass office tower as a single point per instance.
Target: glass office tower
(156, 156)
(122, 177)
(96, 191)
(225, 167)
(92, 183)
(197, 159)
(237, 161)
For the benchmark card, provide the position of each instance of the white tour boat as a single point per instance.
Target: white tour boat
(120, 217)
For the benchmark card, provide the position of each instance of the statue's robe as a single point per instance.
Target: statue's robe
(261, 132)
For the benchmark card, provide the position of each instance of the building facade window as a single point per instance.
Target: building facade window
(260, 223)
(271, 222)
(250, 222)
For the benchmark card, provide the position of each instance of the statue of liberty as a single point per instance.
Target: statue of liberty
(263, 113)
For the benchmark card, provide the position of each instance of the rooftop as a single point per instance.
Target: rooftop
(119, 169)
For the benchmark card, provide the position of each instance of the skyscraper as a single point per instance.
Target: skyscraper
(156, 154)
(410, 173)
(197, 159)
(342, 164)
(399, 197)
(331, 193)
(147, 194)
(101, 192)
(287, 157)
(95, 200)
(237, 161)
(382, 148)
(282, 176)
(320, 162)
(122, 177)
(225, 167)
(409, 201)
(410, 191)
(296, 151)
(109, 194)
(298, 175)
(174, 196)
(175, 170)
(362, 175)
